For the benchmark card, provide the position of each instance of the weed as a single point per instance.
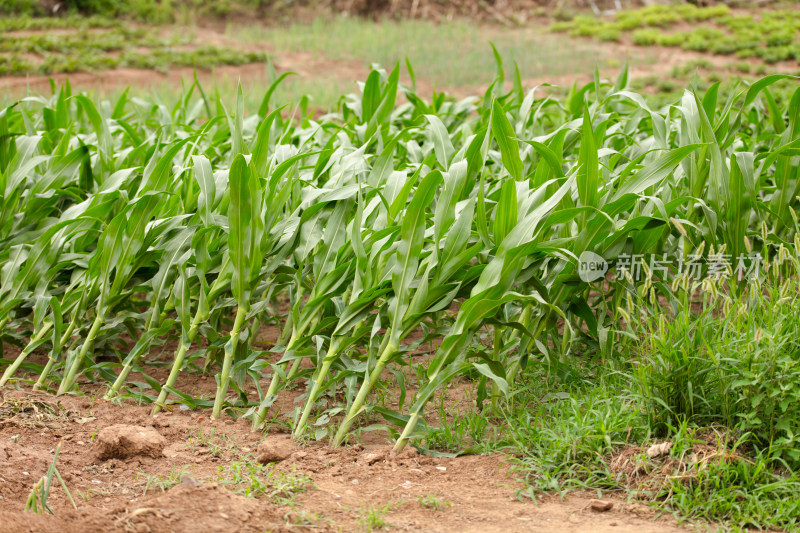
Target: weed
(433, 502)
(164, 483)
(217, 443)
(254, 480)
(747, 494)
(373, 518)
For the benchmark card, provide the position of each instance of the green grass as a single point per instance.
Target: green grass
(563, 431)
(373, 518)
(248, 478)
(216, 444)
(151, 481)
(745, 494)
(433, 502)
(568, 433)
(462, 58)
(730, 359)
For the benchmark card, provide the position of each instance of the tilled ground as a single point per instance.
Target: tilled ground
(206, 475)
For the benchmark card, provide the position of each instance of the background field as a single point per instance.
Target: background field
(333, 253)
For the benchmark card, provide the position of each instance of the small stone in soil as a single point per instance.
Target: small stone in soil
(601, 506)
(275, 449)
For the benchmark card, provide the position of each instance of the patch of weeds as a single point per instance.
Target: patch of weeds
(163, 483)
(744, 493)
(254, 480)
(609, 35)
(727, 359)
(460, 430)
(702, 474)
(354, 38)
(667, 86)
(434, 502)
(14, 65)
(373, 518)
(51, 23)
(559, 431)
(216, 443)
(645, 82)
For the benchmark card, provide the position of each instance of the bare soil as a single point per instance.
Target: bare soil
(478, 492)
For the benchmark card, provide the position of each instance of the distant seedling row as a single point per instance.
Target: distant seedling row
(98, 44)
(769, 35)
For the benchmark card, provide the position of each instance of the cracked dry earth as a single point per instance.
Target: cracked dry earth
(187, 475)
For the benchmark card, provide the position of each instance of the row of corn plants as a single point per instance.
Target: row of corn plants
(394, 234)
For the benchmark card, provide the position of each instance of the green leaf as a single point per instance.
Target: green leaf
(240, 237)
(656, 171)
(505, 217)
(503, 133)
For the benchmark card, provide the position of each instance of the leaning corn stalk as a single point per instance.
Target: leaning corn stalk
(110, 239)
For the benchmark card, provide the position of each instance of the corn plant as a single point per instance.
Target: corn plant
(365, 235)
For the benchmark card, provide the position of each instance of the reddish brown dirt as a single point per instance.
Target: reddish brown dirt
(342, 484)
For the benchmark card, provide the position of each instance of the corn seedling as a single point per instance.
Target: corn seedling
(37, 501)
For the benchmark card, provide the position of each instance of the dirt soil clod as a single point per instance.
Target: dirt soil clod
(122, 441)
(601, 506)
(275, 449)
